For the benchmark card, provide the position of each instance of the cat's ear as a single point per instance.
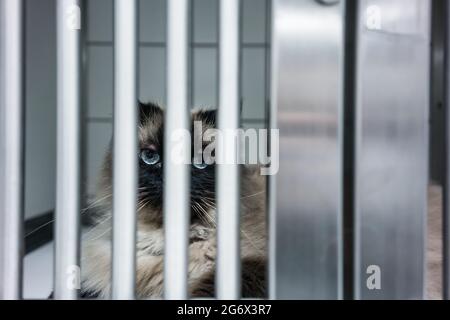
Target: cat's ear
(148, 111)
(208, 116)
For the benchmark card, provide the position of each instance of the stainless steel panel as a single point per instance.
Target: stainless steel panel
(176, 170)
(446, 213)
(392, 100)
(305, 199)
(11, 147)
(125, 160)
(228, 194)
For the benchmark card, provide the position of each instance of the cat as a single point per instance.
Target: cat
(96, 243)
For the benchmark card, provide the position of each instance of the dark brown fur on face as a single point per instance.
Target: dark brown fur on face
(150, 241)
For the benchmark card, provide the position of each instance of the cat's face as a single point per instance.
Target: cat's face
(151, 168)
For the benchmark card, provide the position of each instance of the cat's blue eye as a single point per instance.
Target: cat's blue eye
(149, 157)
(200, 166)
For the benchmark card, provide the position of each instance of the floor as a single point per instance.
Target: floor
(434, 243)
(38, 273)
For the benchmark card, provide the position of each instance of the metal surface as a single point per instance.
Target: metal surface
(446, 193)
(125, 152)
(227, 184)
(11, 147)
(392, 101)
(305, 200)
(67, 226)
(176, 169)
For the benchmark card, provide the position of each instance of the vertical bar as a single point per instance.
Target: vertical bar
(176, 170)
(11, 148)
(67, 227)
(446, 213)
(391, 177)
(305, 199)
(125, 150)
(228, 187)
(267, 62)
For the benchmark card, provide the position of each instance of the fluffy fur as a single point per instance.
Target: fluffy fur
(96, 250)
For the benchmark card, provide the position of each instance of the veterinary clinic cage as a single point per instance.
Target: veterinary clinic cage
(350, 92)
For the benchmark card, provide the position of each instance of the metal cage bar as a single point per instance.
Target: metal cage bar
(176, 167)
(11, 147)
(228, 188)
(125, 149)
(67, 226)
(305, 199)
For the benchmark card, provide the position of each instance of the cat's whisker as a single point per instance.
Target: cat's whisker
(199, 214)
(95, 227)
(253, 195)
(208, 216)
(203, 214)
(251, 242)
(40, 227)
(142, 206)
(83, 211)
(97, 201)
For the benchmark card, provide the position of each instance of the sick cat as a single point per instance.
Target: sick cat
(96, 249)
